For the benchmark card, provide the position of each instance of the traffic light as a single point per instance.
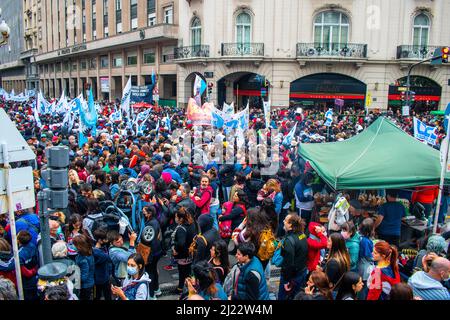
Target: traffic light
(403, 96)
(412, 96)
(210, 86)
(445, 51)
(56, 177)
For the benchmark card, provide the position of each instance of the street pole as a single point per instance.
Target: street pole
(45, 229)
(442, 181)
(12, 221)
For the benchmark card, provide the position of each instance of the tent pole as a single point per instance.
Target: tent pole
(441, 184)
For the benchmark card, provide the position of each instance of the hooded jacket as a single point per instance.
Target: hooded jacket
(226, 175)
(251, 188)
(205, 223)
(205, 199)
(427, 288)
(352, 245)
(314, 246)
(136, 289)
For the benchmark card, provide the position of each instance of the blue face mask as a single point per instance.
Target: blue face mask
(179, 193)
(132, 271)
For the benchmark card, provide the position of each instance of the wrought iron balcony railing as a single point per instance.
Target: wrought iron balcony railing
(243, 49)
(200, 51)
(415, 52)
(338, 50)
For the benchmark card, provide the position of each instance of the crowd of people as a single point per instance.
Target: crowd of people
(204, 214)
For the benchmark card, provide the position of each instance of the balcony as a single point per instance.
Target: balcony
(192, 52)
(336, 50)
(242, 49)
(415, 52)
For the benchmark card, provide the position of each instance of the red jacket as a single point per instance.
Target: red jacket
(425, 195)
(380, 282)
(205, 199)
(314, 246)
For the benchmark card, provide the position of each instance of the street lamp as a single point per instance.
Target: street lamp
(4, 31)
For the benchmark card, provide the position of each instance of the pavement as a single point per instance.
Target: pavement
(168, 280)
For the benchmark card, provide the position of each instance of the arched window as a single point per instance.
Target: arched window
(331, 30)
(243, 28)
(421, 30)
(196, 32)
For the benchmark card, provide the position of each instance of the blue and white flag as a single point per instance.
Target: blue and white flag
(424, 133)
(288, 139)
(228, 109)
(60, 107)
(125, 102)
(88, 115)
(42, 104)
(116, 116)
(168, 124)
(142, 115)
(266, 105)
(199, 85)
(36, 116)
(217, 119)
(329, 117)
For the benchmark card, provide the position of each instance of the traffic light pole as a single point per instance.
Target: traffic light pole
(45, 228)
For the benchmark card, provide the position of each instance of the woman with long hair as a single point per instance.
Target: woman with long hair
(74, 180)
(338, 261)
(220, 260)
(272, 189)
(73, 229)
(85, 261)
(317, 288)
(182, 238)
(385, 274)
(351, 284)
(204, 283)
(239, 210)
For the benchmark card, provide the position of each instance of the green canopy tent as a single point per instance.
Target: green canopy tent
(380, 157)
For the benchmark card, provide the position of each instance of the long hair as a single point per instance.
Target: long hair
(83, 245)
(221, 249)
(339, 252)
(322, 284)
(206, 277)
(389, 253)
(256, 223)
(184, 216)
(74, 218)
(346, 286)
(243, 198)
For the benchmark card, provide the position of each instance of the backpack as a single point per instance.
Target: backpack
(277, 258)
(231, 279)
(267, 245)
(193, 247)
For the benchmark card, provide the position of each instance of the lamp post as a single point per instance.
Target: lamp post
(4, 31)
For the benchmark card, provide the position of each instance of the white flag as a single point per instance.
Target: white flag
(125, 103)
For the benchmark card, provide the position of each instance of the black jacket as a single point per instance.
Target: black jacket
(156, 242)
(251, 188)
(184, 234)
(226, 175)
(205, 223)
(236, 216)
(295, 254)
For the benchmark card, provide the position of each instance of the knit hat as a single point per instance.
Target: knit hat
(436, 244)
(167, 177)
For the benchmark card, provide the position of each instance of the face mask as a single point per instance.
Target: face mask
(179, 193)
(132, 271)
(345, 235)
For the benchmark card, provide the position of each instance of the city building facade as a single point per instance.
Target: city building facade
(12, 69)
(104, 42)
(313, 52)
(32, 16)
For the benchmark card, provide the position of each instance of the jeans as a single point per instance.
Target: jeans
(213, 212)
(225, 192)
(184, 271)
(152, 270)
(297, 282)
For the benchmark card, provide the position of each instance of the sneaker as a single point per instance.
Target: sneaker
(168, 268)
(152, 298)
(158, 292)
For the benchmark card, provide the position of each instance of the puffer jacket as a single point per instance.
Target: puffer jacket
(352, 245)
(251, 188)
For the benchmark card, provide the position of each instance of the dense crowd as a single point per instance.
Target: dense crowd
(201, 213)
